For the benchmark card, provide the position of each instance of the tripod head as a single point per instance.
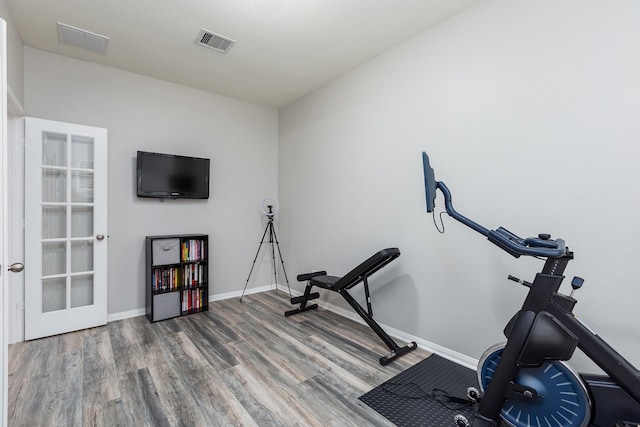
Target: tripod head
(270, 207)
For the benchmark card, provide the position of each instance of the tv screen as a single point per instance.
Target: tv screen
(430, 184)
(172, 176)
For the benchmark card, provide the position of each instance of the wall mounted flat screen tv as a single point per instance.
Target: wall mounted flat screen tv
(171, 176)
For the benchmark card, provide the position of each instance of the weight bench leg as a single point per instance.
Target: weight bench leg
(396, 350)
(302, 300)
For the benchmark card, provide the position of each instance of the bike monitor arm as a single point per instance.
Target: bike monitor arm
(541, 246)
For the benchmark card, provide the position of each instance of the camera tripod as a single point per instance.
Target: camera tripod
(273, 241)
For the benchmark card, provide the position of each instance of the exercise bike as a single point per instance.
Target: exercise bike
(526, 382)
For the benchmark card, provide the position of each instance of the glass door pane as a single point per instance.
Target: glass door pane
(54, 222)
(54, 149)
(81, 187)
(81, 152)
(54, 294)
(81, 221)
(54, 185)
(54, 258)
(81, 256)
(81, 290)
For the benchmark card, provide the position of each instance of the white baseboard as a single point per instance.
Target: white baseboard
(238, 294)
(447, 353)
(454, 356)
(125, 314)
(217, 297)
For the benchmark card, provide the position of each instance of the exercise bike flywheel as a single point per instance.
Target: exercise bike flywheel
(562, 399)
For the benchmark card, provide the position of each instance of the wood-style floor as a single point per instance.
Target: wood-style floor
(239, 364)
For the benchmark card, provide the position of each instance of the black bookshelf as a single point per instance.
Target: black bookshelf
(176, 275)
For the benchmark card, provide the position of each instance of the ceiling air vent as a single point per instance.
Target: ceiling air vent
(82, 38)
(214, 41)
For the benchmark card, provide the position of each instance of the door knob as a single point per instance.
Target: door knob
(16, 267)
(100, 237)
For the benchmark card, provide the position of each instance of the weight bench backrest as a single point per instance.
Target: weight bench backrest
(366, 269)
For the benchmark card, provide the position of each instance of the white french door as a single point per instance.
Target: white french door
(65, 227)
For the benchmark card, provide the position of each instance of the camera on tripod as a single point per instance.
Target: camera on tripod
(270, 208)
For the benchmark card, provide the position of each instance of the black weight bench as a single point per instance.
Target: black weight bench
(342, 284)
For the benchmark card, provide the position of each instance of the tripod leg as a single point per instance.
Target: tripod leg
(254, 261)
(274, 270)
(275, 237)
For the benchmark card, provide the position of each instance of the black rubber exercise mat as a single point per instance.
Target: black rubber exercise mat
(421, 395)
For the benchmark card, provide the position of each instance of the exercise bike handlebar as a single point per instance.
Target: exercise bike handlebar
(541, 246)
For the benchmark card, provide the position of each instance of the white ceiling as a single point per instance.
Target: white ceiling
(284, 48)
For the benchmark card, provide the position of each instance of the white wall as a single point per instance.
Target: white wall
(529, 111)
(141, 113)
(15, 55)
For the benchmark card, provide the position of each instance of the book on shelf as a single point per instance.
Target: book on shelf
(193, 299)
(165, 279)
(193, 250)
(192, 275)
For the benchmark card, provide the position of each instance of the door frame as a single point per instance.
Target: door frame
(15, 142)
(4, 294)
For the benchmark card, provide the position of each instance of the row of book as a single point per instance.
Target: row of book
(193, 275)
(193, 250)
(193, 299)
(164, 279)
(173, 278)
